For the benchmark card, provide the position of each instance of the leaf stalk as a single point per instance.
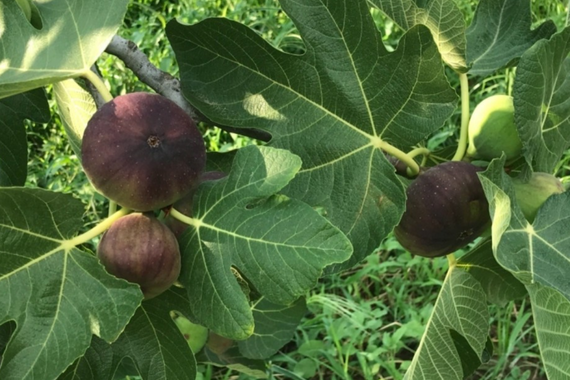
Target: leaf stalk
(462, 145)
(98, 83)
(95, 231)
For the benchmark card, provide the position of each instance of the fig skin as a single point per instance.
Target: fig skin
(141, 249)
(446, 209)
(143, 151)
(532, 194)
(492, 130)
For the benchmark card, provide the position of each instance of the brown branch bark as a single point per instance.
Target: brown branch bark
(167, 85)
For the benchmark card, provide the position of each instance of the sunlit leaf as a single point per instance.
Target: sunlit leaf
(442, 17)
(73, 35)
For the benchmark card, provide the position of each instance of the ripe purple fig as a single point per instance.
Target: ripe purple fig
(141, 249)
(446, 209)
(143, 151)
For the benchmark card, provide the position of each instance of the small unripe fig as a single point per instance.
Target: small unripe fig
(492, 130)
(195, 335)
(141, 249)
(532, 194)
(142, 151)
(446, 209)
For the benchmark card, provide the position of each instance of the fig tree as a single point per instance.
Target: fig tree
(142, 151)
(492, 130)
(532, 194)
(446, 209)
(141, 249)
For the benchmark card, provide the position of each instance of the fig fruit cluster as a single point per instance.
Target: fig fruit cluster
(446, 209)
(145, 153)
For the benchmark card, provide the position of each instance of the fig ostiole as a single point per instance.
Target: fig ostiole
(143, 151)
(492, 130)
(446, 209)
(141, 249)
(532, 194)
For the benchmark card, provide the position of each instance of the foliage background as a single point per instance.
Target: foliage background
(364, 323)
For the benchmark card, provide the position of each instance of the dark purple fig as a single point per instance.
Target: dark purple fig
(141, 249)
(446, 209)
(143, 151)
(184, 205)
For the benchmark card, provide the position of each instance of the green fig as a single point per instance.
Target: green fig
(446, 209)
(195, 335)
(532, 194)
(141, 249)
(492, 130)
(143, 151)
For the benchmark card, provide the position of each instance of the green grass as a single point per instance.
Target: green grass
(364, 323)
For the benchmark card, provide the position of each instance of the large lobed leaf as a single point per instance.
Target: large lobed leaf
(443, 18)
(541, 92)
(72, 36)
(500, 33)
(334, 106)
(534, 253)
(57, 295)
(278, 245)
(456, 334)
(151, 340)
(551, 316)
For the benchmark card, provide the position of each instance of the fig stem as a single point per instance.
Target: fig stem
(462, 145)
(181, 217)
(98, 83)
(112, 207)
(451, 260)
(416, 152)
(413, 167)
(95, 231)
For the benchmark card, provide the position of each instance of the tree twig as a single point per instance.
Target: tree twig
(166, 84)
